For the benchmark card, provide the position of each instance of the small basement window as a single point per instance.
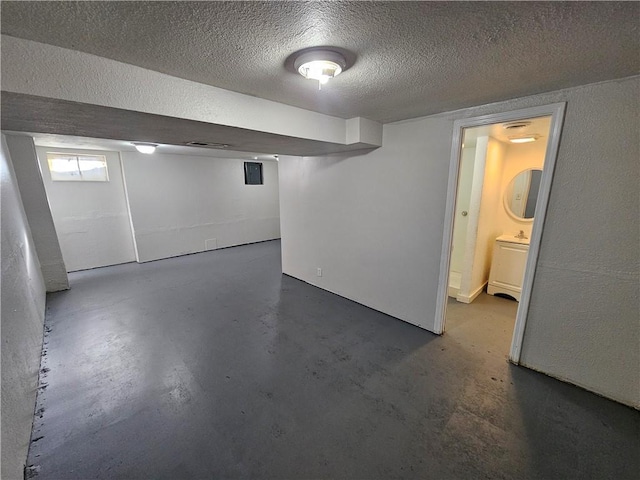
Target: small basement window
(76, 167)
(253, 173)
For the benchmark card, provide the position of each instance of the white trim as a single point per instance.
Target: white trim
(472, 296)
(452, 289)
(445, 256)
(556, 111)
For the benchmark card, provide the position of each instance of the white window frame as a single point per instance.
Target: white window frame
(79, 178)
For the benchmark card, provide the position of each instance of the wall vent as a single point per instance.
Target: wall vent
(208, 145)
(515, 125)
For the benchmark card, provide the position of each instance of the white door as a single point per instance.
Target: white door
(463, 200)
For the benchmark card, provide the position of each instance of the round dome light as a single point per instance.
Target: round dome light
(144, 147)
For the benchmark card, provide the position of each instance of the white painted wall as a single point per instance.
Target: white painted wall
(91, 218)
(36, 207)
(82, 77)
(22, 300)
(374, 223)
(585, 313)
(179, 202)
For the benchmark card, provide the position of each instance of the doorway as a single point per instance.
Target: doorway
(500, 178)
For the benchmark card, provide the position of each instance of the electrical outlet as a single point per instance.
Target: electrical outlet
(319, 272)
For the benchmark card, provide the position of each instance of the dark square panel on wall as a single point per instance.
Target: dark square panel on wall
(253, 173)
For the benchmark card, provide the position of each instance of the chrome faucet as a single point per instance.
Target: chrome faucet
(521, 235)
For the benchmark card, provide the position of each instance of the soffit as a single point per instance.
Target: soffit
(70, 142)
(29, 113)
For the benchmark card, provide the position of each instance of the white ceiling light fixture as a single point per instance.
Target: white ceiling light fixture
(320, 64)
(524, 138)
(144, 147)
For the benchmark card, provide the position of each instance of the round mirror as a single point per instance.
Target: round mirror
(522, 194)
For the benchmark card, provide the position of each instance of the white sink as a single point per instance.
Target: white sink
(513, 239)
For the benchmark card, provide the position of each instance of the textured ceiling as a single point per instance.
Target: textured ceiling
(411, 58)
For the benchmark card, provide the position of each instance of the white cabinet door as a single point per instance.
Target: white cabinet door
(507, 268)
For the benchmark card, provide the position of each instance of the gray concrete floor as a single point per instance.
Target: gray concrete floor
(215, 365)
(483, 327)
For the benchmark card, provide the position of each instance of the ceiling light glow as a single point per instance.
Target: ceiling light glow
(147, 148)
(320, 65)
(524, 138)
(320, 70)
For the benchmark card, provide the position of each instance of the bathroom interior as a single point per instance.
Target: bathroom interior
(498, 182)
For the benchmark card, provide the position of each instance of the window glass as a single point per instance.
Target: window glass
(253, 173)
(77, 167)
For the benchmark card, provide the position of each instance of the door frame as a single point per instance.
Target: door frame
(556, 111)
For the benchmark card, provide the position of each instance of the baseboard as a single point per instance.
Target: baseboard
(470, 298)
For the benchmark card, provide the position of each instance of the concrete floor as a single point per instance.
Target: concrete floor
(486, 324)
(215, 365)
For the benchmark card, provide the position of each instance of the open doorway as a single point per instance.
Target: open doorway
(499, 178)
(498, 192)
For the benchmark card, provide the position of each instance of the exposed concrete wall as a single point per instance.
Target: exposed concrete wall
(374, 223)
(22, 300)
(183, 204)
(36, 206)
